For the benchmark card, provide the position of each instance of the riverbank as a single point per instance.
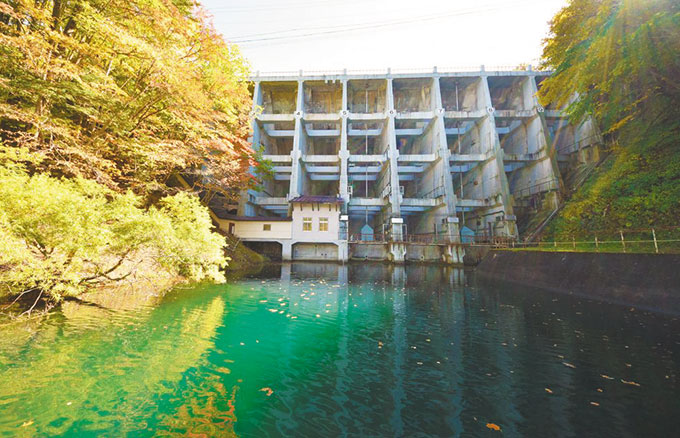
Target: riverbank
(145, 285)
(645, 281)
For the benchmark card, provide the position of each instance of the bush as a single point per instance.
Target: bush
(63, 236)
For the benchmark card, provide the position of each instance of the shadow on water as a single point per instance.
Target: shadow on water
(363, 349)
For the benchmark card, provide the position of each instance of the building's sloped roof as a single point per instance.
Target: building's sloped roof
(309, 199)
(256, 218)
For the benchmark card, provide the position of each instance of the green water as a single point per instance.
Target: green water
(311, 350)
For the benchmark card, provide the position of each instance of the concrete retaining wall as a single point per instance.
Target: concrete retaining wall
(646, 281)
(370, 251)
(475, 254)
(423, 253)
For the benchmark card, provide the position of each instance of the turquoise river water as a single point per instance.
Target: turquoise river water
(316, 350)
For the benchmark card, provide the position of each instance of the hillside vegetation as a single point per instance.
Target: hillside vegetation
(622, 58)
(102, 102)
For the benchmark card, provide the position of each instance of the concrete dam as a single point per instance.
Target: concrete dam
(402, 165)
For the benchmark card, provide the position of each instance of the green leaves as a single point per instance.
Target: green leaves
(124, 92)
(62, 236)
(622, 59)
(620, 56)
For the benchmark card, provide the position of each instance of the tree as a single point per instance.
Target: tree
(621, 59)
(124, 92)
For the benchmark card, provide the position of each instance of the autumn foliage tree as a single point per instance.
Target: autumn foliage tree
(123, 92)
(102, 103)
(621, 58)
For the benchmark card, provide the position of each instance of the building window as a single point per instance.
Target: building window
(323, 224)
(266, 227)
(306, 224)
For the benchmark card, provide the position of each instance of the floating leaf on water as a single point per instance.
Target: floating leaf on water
(493, 426)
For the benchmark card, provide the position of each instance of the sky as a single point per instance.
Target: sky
(290, 35)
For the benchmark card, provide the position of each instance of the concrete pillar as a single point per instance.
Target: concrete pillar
(343, 251)
(397, 252)
(257, 103)
(286, 250)
(254, 141)
(453, 254)
(296, 154)
(443, 155)
(393, 153)
(490, 135)
(344, 152)
(545, 141)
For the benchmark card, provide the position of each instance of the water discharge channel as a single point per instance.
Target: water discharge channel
(317, 350)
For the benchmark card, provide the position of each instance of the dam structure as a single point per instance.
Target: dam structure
(413, 163)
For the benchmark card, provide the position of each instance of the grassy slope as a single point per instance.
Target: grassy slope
(242, 257)
(638, 187)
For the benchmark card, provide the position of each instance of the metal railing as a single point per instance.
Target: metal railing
(658, 240)
(391, 71)
(541, 187)
(368, 238)
(422, 238)
(584, 142)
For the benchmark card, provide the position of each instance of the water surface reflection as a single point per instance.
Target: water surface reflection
(355, 350)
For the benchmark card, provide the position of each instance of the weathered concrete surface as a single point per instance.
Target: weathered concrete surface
(411, 153)
(645, 281)
(368, 251)
(474, 255)
(423, 253)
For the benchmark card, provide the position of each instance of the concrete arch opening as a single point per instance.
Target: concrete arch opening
(272, 250)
